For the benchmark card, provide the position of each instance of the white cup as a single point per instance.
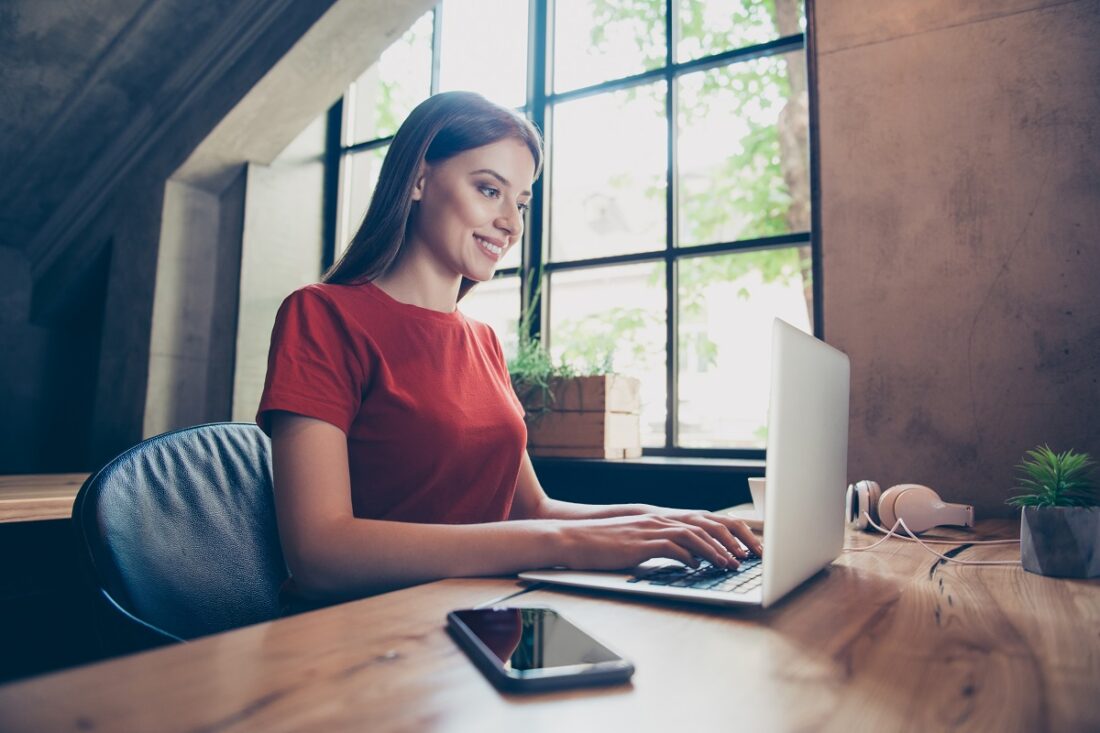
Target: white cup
(756, 488)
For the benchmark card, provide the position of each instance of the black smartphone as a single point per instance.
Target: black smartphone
(532, 649)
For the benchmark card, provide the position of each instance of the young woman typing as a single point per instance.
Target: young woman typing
(399, 445)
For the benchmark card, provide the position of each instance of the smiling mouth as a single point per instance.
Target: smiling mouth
(494, 250)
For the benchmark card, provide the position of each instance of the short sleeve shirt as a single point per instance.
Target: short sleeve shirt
(435, 432)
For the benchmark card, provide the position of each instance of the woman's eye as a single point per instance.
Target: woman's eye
(489, 191)
(524, 207)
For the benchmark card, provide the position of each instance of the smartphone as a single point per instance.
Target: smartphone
(533, 649)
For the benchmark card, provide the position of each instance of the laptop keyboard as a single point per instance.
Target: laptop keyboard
(746, 577)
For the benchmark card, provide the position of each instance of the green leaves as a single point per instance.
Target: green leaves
(532, 371)
(1055, 479)
(591, 342)
(532, 368)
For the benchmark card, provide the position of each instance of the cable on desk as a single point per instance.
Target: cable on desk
(892, 532)
(498, 601)
(932, 542)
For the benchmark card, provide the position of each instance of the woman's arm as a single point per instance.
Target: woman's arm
(531, 502)
(334, 555)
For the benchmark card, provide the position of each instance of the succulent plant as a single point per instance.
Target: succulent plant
(1049, 479)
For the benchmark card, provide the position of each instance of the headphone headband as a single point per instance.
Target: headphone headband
(920, 506)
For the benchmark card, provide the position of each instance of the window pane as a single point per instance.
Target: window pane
(384, 95)
(360, 177)
(727, 303)
(743, 151)
(484, 49)
(712, 26)
(609, 167)
(595, 40)
(496, 302)
(614, 318)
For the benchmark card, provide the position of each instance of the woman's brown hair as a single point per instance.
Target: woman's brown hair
(440, 127)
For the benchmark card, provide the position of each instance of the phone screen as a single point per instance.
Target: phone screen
(526, 639)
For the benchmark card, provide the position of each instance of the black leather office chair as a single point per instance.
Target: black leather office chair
(179, 534)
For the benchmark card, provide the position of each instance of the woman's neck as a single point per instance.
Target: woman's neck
(416, 281)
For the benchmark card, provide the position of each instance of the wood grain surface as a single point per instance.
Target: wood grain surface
(34, 497)
(886, 640)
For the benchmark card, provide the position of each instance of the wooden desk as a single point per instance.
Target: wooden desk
(34, 497)
(883, 641)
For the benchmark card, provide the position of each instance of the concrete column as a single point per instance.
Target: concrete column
(194, 313)
(281, 251)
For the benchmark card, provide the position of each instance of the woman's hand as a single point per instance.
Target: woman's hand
(725, 523)
(620, 542)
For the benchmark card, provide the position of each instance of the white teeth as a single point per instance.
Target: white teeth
(489, 245)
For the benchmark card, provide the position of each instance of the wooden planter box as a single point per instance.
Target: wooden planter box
(585, 417)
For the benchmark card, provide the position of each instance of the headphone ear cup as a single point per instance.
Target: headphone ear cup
(886, 502)
(853, 507)
(861, 500)
(919, 506)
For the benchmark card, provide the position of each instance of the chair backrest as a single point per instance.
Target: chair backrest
(180, 530)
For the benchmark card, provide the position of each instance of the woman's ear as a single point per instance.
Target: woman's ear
(418, 183)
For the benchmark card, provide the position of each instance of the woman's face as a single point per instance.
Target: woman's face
(470, 207)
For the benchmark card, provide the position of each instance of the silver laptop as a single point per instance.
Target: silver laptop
(805, 477)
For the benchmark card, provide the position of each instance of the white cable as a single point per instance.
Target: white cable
(934, 542)
(913, 538)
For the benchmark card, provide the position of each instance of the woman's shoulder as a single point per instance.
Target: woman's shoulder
(481, 330)
(329, 292)
(326, 307)
(326, 296)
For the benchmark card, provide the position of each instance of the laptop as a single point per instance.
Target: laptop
(806, 476)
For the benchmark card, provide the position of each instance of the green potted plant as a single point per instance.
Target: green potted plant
(591, 415)
(1060, 514)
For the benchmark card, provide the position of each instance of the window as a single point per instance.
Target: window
(673, 218)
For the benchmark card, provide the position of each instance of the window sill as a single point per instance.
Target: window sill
(674, 481)
(749, 466)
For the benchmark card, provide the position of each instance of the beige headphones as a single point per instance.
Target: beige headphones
(918, 506)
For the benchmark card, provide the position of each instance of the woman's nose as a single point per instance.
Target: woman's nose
(511, 221)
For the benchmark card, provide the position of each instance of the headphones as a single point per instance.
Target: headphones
(918, 506)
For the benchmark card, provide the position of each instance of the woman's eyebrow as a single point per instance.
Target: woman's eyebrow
(502, 179)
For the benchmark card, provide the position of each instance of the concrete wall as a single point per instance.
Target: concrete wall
(138, 209)
(281, 252)
(77, 367)
(24, 392)
(960, 209)
(94, 357)
(48, 368)
(195, 308)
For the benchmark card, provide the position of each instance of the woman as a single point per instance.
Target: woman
(399, 445)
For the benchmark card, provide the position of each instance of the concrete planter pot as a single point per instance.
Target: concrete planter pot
(1062, 542)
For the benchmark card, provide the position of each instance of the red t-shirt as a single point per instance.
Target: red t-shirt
(435, 432)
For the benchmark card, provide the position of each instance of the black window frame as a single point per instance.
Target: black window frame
(534, 266)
